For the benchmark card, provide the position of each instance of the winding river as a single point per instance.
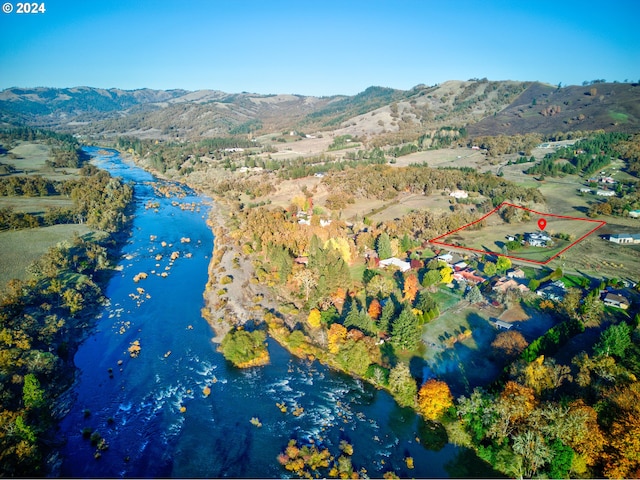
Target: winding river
(151, 410)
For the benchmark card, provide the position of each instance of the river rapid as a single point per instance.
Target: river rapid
(151, 410)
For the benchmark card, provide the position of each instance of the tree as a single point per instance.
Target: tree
(410, 288)
(489, 268)
(614, 341)
(375, 309)
(531, 445)
(431, 278)
(360, 319)
(32, 393)
(592, 310)
(511, 343)
(244, 348)
(446, 275)
(388, 312)
(503, 264)
(474, 295)
(307, 281)
(336, 336)
(380, 286)
(314, 319)
(402, 385)
(383, 246)
(570, 304)
(405, 333)
(434, 398)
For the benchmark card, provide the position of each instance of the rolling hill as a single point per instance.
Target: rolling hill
(483, 107)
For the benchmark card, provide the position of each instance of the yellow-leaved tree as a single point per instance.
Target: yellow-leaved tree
(434, 398)
(340, 244)
(314, 318)
(336, 336)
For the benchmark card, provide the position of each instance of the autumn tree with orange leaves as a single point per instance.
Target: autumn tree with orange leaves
(375, 309)
(410, 288)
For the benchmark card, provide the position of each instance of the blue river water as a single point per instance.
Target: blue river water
(151, 410)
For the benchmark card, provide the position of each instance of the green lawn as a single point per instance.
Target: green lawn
(445, 298)
(20, 248)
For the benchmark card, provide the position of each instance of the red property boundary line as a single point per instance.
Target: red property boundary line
(600, 223)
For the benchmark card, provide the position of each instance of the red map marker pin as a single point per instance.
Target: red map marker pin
(542, 223)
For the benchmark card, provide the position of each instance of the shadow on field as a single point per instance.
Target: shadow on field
(466, 364)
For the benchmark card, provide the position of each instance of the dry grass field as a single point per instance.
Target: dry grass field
(493, 236)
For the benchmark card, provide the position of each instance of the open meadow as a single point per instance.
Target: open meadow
(20, 248)
(493, 236)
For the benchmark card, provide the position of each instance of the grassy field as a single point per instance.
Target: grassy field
(20, 248)
(35, 205)
(493, 236)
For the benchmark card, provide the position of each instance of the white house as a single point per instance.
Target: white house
(621, 238)
(634, 213)
(537, 239)
(396, 262)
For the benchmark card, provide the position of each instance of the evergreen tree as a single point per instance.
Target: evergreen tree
(383, 246)
(405, 333)
(388, 312)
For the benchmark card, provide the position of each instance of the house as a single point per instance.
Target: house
(625, 238)
(460, 266)
(634, 213)
(516, 273)
(537, 239)
(510, 238)
(446, 257)
(500, 325)
(459, 194)
(504, 284)
(396, 262)
(468, 276)
(605, 193)
(554, 291)
(615, 300)
(585, 190)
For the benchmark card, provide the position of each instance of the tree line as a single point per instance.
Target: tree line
(42, 320)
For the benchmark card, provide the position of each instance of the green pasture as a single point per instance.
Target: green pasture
(20, 248)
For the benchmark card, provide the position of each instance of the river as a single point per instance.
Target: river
(151, 410)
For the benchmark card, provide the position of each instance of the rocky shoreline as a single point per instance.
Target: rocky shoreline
(232, 299)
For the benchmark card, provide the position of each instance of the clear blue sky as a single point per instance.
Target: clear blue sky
(321, 47)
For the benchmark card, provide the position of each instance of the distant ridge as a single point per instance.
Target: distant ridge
(482, 107)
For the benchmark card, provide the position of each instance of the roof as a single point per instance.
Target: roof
(505, 325)
(396, 262)
(635, 236)
(614, 297)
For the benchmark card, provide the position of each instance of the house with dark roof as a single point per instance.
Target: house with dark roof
(625, 238)
(615, 300)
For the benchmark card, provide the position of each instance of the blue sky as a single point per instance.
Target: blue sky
(316, 47)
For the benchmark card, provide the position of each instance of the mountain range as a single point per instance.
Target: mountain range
(483, 107)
